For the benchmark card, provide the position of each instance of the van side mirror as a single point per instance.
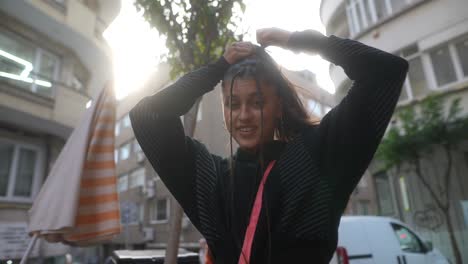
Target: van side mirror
(428, 245)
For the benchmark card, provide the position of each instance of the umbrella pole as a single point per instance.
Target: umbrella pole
(29, 249)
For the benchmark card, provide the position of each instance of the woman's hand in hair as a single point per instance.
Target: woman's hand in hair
(273, 37)
(237, 51)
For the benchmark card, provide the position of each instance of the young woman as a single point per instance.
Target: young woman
(279, 199)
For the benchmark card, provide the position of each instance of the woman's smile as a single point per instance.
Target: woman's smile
(247, 131)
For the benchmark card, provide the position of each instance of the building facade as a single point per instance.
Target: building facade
(433, 37)
(53, 61)
(145, 201)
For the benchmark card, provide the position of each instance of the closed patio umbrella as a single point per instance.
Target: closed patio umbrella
(78, 204)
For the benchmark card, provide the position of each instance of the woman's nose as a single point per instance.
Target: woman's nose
(245, 113)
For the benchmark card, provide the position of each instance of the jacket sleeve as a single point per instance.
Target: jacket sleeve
(350, 133)
(159, 130)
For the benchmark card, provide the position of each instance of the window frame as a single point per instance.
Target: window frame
(129, 143)
(154, 214)
(131, 176)
(394, 225)
(354, 16)
(457, 41)
(36, 178)
(454, 59)
(38, 52)
(123, 175)
(429, 68)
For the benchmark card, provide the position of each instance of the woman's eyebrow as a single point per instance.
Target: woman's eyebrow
(228, 98)
(254, 94)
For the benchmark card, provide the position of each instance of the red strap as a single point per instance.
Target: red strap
(244, 258)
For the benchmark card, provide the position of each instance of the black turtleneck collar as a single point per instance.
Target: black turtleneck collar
(271, 151)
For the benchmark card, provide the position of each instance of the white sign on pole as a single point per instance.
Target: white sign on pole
(14, 240)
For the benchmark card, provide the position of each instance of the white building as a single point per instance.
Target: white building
(433, 37)
(53, 61)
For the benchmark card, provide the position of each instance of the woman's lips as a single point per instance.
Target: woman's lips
(246, 130)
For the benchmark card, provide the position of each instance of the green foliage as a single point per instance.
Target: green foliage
(422, 127)
(196, 31)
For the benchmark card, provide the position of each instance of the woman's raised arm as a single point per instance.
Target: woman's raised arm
(351, 132)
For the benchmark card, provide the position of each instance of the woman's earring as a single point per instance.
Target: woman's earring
(281, 126)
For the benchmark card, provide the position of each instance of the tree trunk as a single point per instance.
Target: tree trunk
(443, 207)
(453, 239)
(172, 249)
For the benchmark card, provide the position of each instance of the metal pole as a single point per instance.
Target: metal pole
(29, 249)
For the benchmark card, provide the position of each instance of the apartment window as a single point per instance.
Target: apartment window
(443, 66)
(446, 64)
(362, 14)
(384, 194)
(122, 183)
(137, 178)
(159, 210)
(416, 84)
(124, 151)
(381, 9)
(462, 50)
(116, 155)
(20, 169)
(417, 81)
(398, 5)
(27, 66)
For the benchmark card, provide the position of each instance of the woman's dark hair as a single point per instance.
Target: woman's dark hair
(263, 69)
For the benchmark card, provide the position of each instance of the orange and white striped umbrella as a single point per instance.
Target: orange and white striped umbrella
(78, 203)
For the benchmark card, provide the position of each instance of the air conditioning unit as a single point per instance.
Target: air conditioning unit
(140, 157)
(148, 233)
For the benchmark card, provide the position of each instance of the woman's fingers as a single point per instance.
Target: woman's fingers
(273, 37)
(238, 50)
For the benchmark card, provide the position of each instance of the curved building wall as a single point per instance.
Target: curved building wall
(433, 36)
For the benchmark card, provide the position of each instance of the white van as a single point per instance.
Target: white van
(382, 240)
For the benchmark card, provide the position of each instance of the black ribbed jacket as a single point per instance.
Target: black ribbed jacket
(309, 187)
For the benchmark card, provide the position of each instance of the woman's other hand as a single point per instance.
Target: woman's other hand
(238, 50)
(273, 37)
(310, 41)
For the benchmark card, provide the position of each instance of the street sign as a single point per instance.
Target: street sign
(14, 240)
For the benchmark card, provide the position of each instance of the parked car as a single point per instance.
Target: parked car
(150, 256)
(382, 240)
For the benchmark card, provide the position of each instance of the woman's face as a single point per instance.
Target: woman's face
(246, 115)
